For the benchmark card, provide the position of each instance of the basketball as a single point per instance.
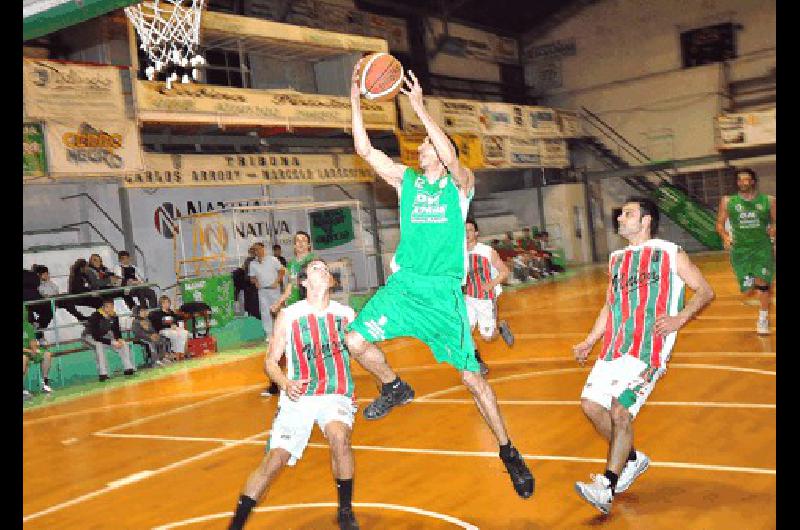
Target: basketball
(380, 77)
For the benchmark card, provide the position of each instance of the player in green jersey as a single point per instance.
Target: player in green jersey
(302, 255)
(638, 324)
(752, 219)
(316, 388)
(423, 296)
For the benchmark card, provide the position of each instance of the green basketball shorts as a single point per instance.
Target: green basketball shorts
(751, 262)
(431, 309)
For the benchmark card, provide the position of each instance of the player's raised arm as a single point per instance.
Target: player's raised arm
(385, 167)
(462, 176)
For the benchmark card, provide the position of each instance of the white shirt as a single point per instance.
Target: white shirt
(265, 272)
(48, 289)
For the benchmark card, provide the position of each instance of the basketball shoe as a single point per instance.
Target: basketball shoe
(505, 332)
(632, 469)
(347, 519)
(521, 476)
(400, 394)
(597, 493)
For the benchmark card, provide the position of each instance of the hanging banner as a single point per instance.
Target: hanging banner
(542, 121)
(470, 150)
(216, 291)
(746, 129)
(34, 160)
(93, 147)
(494, 151)
(569, 123)
(554, 153)
(195, 103)
(460, 116)
(501, 118)
(56, 90)
(164, 170)
(524, 152)
(331, 228)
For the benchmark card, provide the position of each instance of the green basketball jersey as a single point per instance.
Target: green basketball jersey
(293, 269)
(749, 220)
(432, 233)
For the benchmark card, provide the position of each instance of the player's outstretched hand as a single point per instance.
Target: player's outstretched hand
(294, 388)
(412, 89)
(582, 351)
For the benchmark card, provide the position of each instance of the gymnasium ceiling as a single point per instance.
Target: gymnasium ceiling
(506, 17)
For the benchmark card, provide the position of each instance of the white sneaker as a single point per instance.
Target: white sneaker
(597, 493)
(26, 395)
(46, 388)
(631, 471)
(762, 327)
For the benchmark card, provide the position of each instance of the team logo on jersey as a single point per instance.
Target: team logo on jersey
(375, 327)
(738, 207)
(759, 206)
(749, 280)
(419, 183)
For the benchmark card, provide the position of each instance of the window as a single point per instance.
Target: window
(710, 44)
(223, 68)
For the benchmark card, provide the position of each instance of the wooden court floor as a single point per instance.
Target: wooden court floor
(174, 453)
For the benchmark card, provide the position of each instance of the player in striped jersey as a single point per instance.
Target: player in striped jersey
(638, 324)
(317, 388)
(485, 273)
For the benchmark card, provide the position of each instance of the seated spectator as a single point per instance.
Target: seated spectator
(102, 331)
(157, 345)
(277, 251)
(168, 323)
(39, 315)
(130, 276)
(31, 353)
(78, 284)
(546, 249)
(99, 276)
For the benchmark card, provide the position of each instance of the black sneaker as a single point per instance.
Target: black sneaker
(505, 332)
(129, 372)
(521, 476)
(347, 519)
(387, 401)
(103, 378)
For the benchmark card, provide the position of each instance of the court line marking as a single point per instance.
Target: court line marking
(419, 511)
(124, 405)
(445, 452)
(180, 409)
(586, 369)
(705, 331)
(407, 369)
(698, 404)
(140, 475)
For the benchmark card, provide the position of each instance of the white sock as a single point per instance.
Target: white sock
(762, 314)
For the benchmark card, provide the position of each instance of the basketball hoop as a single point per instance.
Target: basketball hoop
(169, 31)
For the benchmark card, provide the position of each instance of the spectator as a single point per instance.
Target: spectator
(302, 256)
(242, 284)
(99, 276)
(102, 331)
(31, 353)
(39, 315)
(546, 248)
(266, 273)
(143, 331)
(169, 324)
(277, 251)
(78, 284)
(130, 276)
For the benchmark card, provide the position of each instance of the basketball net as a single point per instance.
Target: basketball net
(169, 31)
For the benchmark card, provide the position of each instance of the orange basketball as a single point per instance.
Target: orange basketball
(380, 77)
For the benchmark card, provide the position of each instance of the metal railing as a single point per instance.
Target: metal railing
(110, 220)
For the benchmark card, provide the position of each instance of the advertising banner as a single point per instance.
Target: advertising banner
(195, 103)
(502, 118)
(569, 123)
(331, 228)
(53, 90)
(164, 170)
(470, 150)
(93, 146)
(460, 116)
(541, 121)
(524, 152)
(34, 160)
(554, 153)
(409, 119)
(495, 151)
(746, 129)
(216, 291)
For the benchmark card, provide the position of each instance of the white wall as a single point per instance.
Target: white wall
(566, 219)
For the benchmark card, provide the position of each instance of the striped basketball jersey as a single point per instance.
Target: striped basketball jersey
(643, 285)
(480, 272)
(315, 347)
